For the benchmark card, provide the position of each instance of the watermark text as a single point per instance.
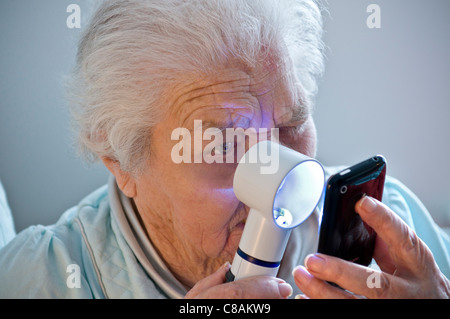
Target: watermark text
(224, 146)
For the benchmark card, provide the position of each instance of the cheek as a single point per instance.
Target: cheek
(203, 201)
(205, 218)
(211, 210)
(199, 199)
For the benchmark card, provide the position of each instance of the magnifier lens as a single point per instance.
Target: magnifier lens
(282, 217)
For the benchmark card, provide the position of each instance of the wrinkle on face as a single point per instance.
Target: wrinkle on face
(202, 219)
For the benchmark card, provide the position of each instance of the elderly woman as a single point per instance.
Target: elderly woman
(168, 229)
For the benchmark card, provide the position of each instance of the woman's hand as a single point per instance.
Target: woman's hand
(408, 269)
(258, 287)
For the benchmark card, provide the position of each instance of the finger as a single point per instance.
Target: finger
(405, 247)
(215, 279)
(353, 277)
(383, 257)
(258, 287)
(313, 287)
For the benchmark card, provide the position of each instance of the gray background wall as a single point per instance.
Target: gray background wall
(385, 91)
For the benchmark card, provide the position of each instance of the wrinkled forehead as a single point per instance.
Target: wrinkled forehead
(236, 94)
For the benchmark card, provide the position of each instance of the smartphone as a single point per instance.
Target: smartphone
(343, 234)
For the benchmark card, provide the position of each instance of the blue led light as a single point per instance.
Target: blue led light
(282, 217)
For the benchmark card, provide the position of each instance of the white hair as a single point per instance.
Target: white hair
(133, 50)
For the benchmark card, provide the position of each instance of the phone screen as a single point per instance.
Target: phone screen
(343, 233)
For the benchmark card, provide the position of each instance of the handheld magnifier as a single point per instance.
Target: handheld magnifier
(279, 201)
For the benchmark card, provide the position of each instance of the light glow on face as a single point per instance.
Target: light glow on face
(282, 217)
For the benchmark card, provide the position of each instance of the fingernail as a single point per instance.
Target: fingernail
(368, 204)
(314, 262)
(226, 266)
(285, 289)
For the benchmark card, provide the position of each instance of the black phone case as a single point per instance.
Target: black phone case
(342, 232)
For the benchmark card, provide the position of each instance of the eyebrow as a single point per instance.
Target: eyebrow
(222, 125)
(300, 113)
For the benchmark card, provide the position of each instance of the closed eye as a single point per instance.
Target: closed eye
(290, 135)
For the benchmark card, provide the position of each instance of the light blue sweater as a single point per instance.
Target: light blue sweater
(95, 250)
